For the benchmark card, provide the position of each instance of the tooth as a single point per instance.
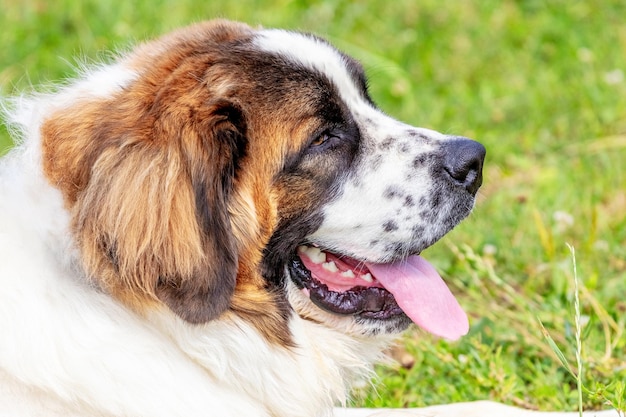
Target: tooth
(347, 274)
(316, 255)
(330, 266)
(367, 277)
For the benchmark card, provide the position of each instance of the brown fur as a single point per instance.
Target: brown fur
(167, 204)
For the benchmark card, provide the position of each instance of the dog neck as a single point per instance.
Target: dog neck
(313, 375)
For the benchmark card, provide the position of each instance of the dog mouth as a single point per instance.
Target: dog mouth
(410, 287)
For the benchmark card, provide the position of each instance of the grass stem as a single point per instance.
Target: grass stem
(579, 361)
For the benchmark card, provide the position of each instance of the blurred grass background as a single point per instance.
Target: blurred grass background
(540, 83)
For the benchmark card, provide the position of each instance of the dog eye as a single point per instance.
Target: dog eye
(325, 141)
(321, 139)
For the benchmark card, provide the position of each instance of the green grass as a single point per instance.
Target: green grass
(540, 83)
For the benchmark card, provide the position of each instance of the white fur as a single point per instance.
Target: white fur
(70, 348)
(469, 409)
(67, 349)
(313, 53)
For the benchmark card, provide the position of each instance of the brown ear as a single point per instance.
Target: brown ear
(212, 168)
(149, 192)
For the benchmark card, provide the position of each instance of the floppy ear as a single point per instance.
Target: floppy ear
(149, 192)
(213, 163)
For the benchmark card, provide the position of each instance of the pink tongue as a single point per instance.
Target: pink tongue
(423, 296)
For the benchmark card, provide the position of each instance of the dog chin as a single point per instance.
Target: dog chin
(353, 325)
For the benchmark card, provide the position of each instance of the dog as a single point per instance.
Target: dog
(219, 222)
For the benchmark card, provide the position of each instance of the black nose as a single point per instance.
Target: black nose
(463, 162)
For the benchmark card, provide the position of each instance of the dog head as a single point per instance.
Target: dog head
(222, 169)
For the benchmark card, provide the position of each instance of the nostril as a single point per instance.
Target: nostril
(463, 162)
(463, 171)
